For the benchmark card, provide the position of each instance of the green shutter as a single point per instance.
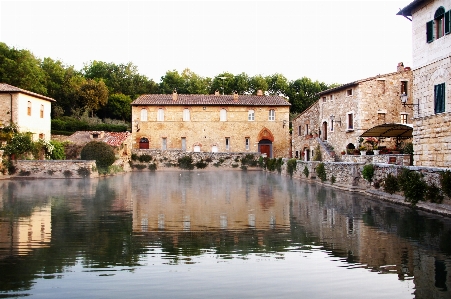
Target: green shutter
(448, 22)
(439, 98)
(430, 31)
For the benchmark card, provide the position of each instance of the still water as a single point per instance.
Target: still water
(228, 234)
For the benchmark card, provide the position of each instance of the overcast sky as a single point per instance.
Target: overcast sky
(330, 41)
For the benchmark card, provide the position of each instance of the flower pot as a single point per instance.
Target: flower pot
(363, 153)
(376, 152)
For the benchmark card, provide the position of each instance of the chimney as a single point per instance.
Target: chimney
(259, 92)
(235, 96)
(400, 67)
(174, 95)
(216, 92)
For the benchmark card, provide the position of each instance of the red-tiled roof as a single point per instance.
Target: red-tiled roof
(209, 100)
(115, 138)
(6, 88)
(111, 138)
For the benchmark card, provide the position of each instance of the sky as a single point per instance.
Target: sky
(333, 41)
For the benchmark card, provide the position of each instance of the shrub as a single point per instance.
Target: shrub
(209, 160)
(243, 167)
(186, 162)
(234, 165)
(84, 172)
(368, 172)
(332, 179)
(201, 164)
(140, 166)
(145, 158)
(279, 163)
(445, 182)
(321, 171)
(317, 156)
(413, 186)
(152, 166)
(58, 152)
(99, 151)
(249, 159)
(24, 173)
(305, 171)
(20, 144)
(50, 172)
(433, 194)
(134, 157)
(261, 162)
(67, 173)
(291, 167)
(391, 184)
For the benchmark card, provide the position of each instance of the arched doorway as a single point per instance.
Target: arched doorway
(265, 147)
(324, 130)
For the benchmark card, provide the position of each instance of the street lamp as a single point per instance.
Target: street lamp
(404, 99)
(332, 119)
(223, 78)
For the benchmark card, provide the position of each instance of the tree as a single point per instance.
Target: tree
(21, 69)
(303, 92)
(256, 83)
(99, 151)
(223, 83)
(93, 95)
(277, 85)
(118, 107)
(193, 83)
(172, 81)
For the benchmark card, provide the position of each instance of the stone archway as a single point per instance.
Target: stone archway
(324, 137)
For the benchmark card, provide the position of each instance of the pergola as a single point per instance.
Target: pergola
(398, 131)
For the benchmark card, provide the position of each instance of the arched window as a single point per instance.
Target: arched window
(223, 115)
(160, 115)
(143, 114)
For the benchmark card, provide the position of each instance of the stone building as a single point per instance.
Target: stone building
(212, 123)
(343, 113)
(431, 49)
(28, 110)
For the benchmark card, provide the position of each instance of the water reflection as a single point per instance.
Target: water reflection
(124, 224)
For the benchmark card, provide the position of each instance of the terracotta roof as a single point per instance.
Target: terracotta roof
(6, 88)
(116, 138)
(407, 11)
(209, 100)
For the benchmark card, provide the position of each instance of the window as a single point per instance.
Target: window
(227, 143)
(324, 99)
(29, 108)
(183, 143)
(306, 129)
(223, 115)
(272, 115)
(381, 118)
(350, 121)
(404, 87)
(404, 118)
(331, 125)
(440, 26)
(250, 115)
(186, 116)
(143, 114)
(160, 115)
(439, 98)
(164, 143)
(41, 112)
(299, 130)
(41, 136)
(349, 92)
(331, 97)
(247, 143)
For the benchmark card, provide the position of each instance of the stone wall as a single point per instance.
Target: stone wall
(52, 169)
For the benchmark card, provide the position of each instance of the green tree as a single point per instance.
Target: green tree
(277, 85)
(93, 95)
(302, 93)
(171, 81)
(99, 151)
(118, 107)
(193, 83)
(256, 83)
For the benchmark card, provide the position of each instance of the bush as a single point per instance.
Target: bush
(152, 166)
(20, 144)
(201, 164)
(134, 157)
(305, 171)
(99, 151)
(186, 162)
(139, 166)
(445, 182)
(58, 152)
(317, 156)
(291, 167)
(368, 172)
(67, 173)
(332, 179)
(391, 184)
(413, 186)
(433, 194)
(24, 173)
(321, 171)
(145, 158)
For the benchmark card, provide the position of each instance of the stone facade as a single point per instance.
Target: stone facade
(431, 68)
(28, 110)
(212, 123)
(342, 114)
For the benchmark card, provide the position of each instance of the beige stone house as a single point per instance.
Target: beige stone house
(342, 114)
(28, 110)
(431, 49)
(212, 123)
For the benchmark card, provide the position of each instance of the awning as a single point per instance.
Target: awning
(389, 130)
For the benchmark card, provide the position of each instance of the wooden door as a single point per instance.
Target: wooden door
(265, 149)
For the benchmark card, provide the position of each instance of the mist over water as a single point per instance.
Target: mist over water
(220, 234)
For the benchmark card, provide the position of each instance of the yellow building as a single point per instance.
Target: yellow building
(212, 123)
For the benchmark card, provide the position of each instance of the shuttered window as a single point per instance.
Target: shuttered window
(448, 22)
(439, 98)
(430, 31)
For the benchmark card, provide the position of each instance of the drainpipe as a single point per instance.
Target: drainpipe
(11, 110)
